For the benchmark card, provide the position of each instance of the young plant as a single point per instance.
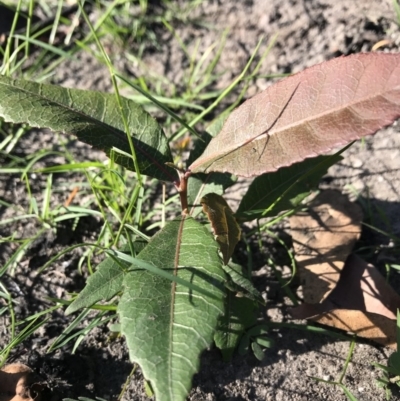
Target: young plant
(178, 292)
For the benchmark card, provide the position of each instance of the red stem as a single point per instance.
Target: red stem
(181, 186)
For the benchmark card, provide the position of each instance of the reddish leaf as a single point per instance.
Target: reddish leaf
(307, 114)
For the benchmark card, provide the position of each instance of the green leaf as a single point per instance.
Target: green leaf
(115, 327)
(105, 282)
(244, 345)
(200, 185)
(394, 363)
(235, 272)
(94, 118)
(264, 342)
(283, 189)
(147, 389)
(251, 335)
(239, 315)
(139, 264)
(259, 330)
(167, 325)
(257, 350)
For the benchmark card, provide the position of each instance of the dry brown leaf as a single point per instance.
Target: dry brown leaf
(19, 383)
(362, 287)
(322, 240)
(223, 222)
(367, 325)
(354, 296)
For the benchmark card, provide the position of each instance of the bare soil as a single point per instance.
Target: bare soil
(309, 32)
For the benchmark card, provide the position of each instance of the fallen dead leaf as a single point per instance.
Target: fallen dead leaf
(357, 298)
(19, 383)
(322, 240)
(367, 325)
(362, 303)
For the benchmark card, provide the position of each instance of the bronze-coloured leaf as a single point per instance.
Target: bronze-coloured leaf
(362, 303)
(339, 290)
(307, 114)
(323, 238)
(19, 383)
(223, 222)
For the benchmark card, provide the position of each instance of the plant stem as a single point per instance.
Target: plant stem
(182, 189)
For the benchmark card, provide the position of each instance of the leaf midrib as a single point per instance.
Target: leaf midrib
(218, 155)
(14, 84)
(172, 310)
(115, 130)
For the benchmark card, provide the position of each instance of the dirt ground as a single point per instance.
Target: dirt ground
(309, 32)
